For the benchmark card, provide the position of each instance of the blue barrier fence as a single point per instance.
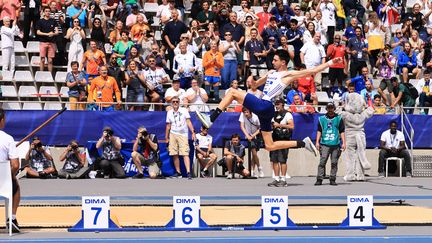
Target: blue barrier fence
(87, 126)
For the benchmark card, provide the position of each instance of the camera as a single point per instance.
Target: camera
(74, 146)
(144, 133)
(108, 132)
(38, 145)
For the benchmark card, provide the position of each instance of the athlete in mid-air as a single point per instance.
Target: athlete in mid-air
(275, 82)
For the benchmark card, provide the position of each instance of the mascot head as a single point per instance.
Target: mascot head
(355, 103)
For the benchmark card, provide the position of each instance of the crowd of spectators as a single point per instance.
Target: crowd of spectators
(214, 43)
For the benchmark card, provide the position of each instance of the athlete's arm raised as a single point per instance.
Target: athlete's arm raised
(261, 80)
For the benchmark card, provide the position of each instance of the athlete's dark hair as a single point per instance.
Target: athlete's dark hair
(283, 55)
(235, 135)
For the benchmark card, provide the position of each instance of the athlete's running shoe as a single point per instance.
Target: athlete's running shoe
(310, 146)
(205, 119)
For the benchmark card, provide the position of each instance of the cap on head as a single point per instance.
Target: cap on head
(330, 105)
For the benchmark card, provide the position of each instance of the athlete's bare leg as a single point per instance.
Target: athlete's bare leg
(237, 95)
(271, 145)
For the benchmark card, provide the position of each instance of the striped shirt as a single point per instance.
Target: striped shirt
(273, 86)
(56, 16)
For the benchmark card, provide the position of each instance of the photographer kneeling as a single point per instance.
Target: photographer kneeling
(40, 161)
(73, 167)
(111, 162)
(146, 152)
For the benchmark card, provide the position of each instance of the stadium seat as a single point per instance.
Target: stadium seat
(52, 106)
(35, 61)
(124, 93)
(376, 82)
(19, 47)
(43, 77)
(11, 106)
(322, 97)
(60, 77)
(23, 76)
(414, 82)
(410, 3)
(156, 21)
(394, 27)
(48, 90)
(151, 7)
(8, 91)
(33, 47)
(236, 8)
(27, 91)
(22, 61)
(64, 92)
(7, 75)
(32, 106)
(158, 35)
(257, 9)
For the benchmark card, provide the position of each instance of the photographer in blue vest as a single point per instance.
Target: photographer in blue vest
(331, 131)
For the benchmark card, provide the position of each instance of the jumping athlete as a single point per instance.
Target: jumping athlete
(275, 82)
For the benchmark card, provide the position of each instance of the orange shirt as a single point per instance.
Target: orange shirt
(107, 88)
(334, 51)
(212, 67)
(94, 60)
(137, 31)
(306, 85)
(114, 36)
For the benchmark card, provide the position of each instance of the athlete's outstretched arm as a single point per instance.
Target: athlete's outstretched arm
(260, 81)
(289, 76)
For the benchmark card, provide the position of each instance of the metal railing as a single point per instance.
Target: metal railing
(410, 133)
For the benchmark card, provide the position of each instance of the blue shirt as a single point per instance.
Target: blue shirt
(359, 82)
(350, 32)
(290, 96)
(366, 93)
(71, 11)
(403, 60)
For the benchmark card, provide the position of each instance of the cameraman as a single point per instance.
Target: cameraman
(111, 162)
(386, 64)
(73, 167)
(146, 152)
(40, 161)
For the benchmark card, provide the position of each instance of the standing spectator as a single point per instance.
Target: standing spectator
(350, 31)
(328, 10)
(295, 37)
(40, 161)
(407, 63)
(264, 17)
(360, 80)
(77, 11)
(102, 90)
(111, 160)
(116, 72)
(257, 55)
(115, 35)
(134, 55)
(337, 70)
(402, 96)
(234, 153)
(331, 131)
(357, 48)
(204, 151)
(154, 78)
(98, 30)
(393, 145)
(418, 21)
(283, 46)
(185, 65)
(171, 35)
(294, 91)
(387, 66)
(146, 152)
(283, 124)
(122, 48)
(73, 167)
(76, 82)
(135, 91)
(368, 93)
(46, 29)
(59, 17)
(250, 126)
(301, 19)
(374, 28)
(92, 60)
(355, 5)
(229, 49)
(132, 18)
(9, 154)
(205, 16)
(176, 134)
(312, 54)
(309, 32)
(32, 9)
(9, 9)
(272, 30)
(321, 27)
(139, 29)
(76, 51)
(167, 15)
(237, 31)
(196, 97)
(424, 88)
(7, 43)
(306, 86)
(212, 63)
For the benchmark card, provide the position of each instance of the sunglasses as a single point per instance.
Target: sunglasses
(151, 61)
(398, 33)
(227, 34)
(175, 102)
(297, 9)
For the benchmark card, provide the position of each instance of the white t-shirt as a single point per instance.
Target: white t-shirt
(196, 104)
(313, 54)
(178, 119)
(179, 93)
(328, 14)
(273, 86)
(288, 116)
(155, 76)
(203, 141)
(252, 124)
(8, 148)
(392, 140)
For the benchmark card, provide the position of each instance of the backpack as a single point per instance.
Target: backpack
(412, 90)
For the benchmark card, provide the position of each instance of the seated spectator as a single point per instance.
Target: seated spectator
(175, 91)
(403, 96)
(73, 167)
(122, 47)
(234, 153)
(393, 145)
(386, 64)
(294, 91)
(40, 161)
(407, 63)
(351, 89)
(212, 63)
(252, 89)
(368, 93)
(139, 28)
(159, 56)
(110, 8)
(204, 151)
(185, 66)
(379, 107)
(299, 106)
(102, 90)
(136, 17)
(360, 80)
(251, 128)
(146, 153)
(306, 86)
(111, 161)
(135, 90)
(76, 82)
(424, 88)
(234, 106)
(135, 56)
(197, 97)
(154, 78)
(8, 32)
(147, 40)
(166, 13)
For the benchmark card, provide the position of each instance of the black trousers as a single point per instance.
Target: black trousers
(113, 168)
(29, 18)
(383, 155)
(355, 67)
(330, 34)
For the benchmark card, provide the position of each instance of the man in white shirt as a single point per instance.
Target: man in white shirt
(393, 145)
(424, 88)
(174, 91)
(204, 151)
(328, 10)
(176, 134)
(185, 65)
(8, 152)
(154, 77)
(197, 97)
(312, 54)
(250, 126)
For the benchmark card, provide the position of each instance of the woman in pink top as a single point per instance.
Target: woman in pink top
(9, 8)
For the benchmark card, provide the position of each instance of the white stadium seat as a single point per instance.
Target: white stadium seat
(9, 91)
(23, 76)
(33, 47)
(48, 90)
(32, 106)
(22, 61)
(60, 76)
(322, 97)
(7, 75)
(43, 77)
(19, 47)
(151, 7)
(64, 92)
(27, 91)
(11, 106)
(52, 106)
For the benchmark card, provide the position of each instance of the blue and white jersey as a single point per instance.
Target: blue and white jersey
(273, 86)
